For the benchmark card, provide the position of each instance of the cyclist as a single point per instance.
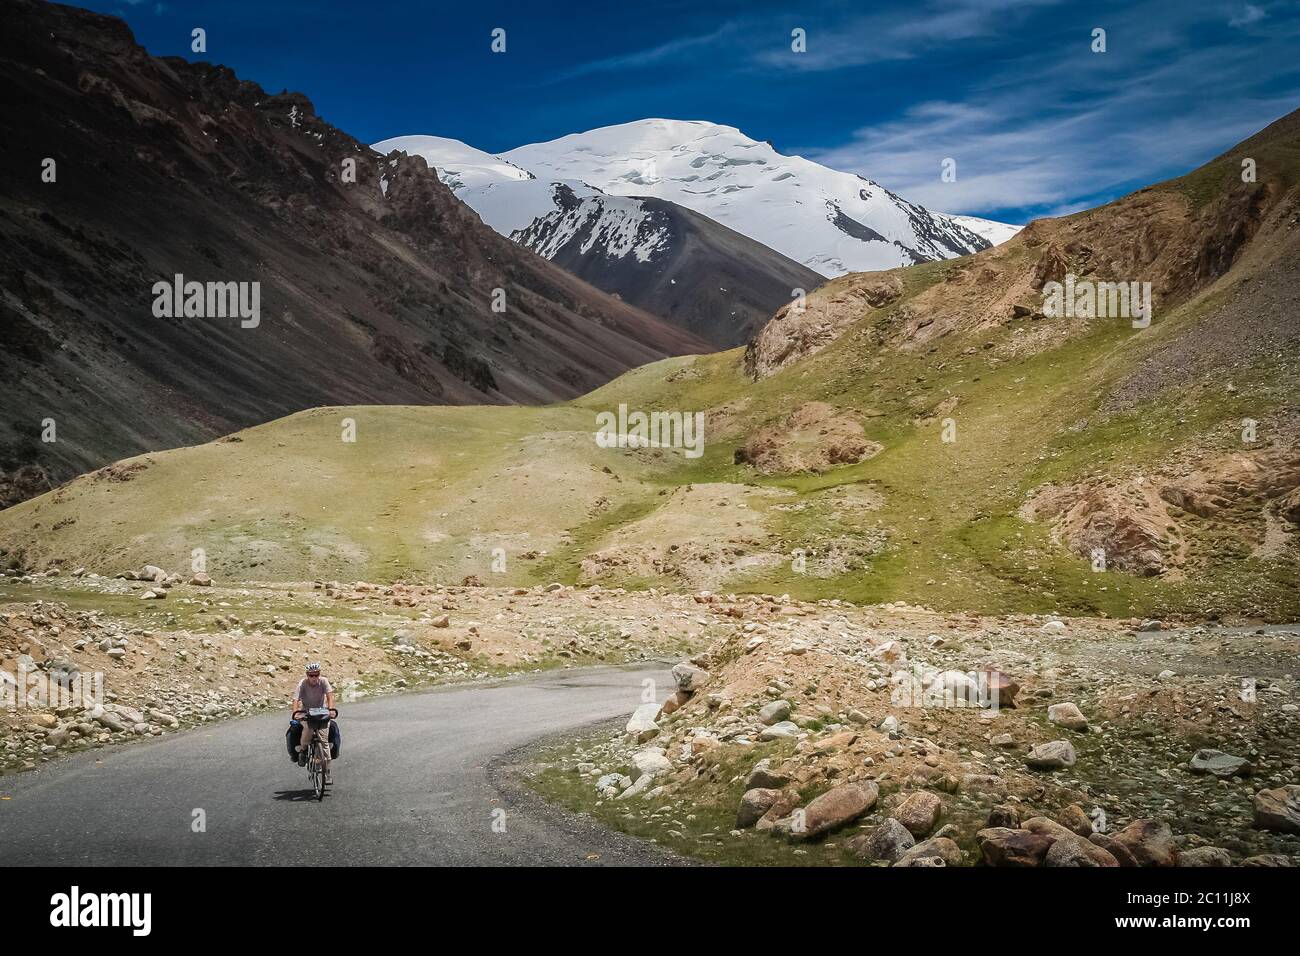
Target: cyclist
(312, 691)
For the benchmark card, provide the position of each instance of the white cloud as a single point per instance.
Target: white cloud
(1247, 15)
(1069, 128)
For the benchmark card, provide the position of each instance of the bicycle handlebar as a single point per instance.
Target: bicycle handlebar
(300, 714)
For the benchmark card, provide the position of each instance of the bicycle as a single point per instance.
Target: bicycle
(318, 748)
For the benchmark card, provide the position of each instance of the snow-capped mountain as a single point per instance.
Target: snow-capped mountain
(830, 221)
(511, 200)
(652, 252)
(622, 205)
(505, 196)
(995, 232)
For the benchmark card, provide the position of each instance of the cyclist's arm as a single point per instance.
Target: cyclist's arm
(329, 700)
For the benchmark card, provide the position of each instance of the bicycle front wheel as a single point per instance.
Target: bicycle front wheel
(318, 774)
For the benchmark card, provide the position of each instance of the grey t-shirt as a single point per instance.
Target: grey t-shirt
(312, 696)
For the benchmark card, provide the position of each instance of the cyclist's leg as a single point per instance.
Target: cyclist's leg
(323, 735)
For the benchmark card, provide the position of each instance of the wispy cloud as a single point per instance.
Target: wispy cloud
(901, 33)
(834, 42)
(1246, 15)
(1072, 127)
(650, 56)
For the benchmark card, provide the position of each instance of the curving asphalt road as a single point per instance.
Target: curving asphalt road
(412, 786)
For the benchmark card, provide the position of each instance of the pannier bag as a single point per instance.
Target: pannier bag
(294, 734)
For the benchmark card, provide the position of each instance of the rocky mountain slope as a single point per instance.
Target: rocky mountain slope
(924, 434)
(656, 254)
(375, 284)
(831, 222)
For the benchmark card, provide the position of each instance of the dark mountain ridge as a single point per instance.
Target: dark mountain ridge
(376, 284)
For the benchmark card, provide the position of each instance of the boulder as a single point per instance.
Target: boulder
(889, 841)
(162, 717)
(640, 786)
(836, 807)
(754, 804)
(941, 848)
(1068, 716)
(1219, 764)
(1116, 849)
(1078, 852)
(1043, 826)
(785, 805)
(129, 714)
(919, 812)
(110, 720)
(650, 761)
(779, 731)
(1074, 818)
(689, 677)
(1002, 690)
(1000, 846)
(1150, 842)
(1054, 755)
(1004, 815)
(834, 742)
(762, 776)
(1205, 856)
(1278, 809)
(954, 689)
(641, 724)
(610, 784)
(201, 580)
(775, 712)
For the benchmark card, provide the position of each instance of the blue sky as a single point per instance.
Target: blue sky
(1038, 123)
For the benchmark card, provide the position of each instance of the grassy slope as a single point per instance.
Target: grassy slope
(956, 541)
(435, 489)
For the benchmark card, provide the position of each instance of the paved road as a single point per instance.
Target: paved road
(411, 787)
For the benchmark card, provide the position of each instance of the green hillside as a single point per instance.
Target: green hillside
(431, 492)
